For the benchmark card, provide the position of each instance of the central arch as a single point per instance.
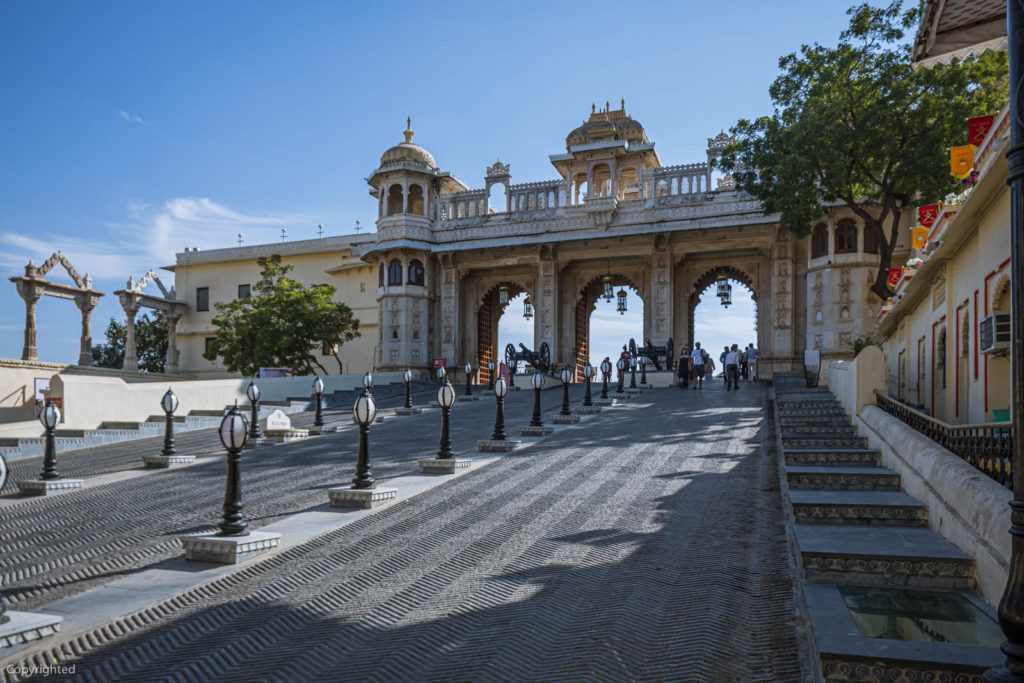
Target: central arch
(704, 281)
(586, 303)
(489, 312)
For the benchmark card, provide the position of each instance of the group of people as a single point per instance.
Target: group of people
(697, 365)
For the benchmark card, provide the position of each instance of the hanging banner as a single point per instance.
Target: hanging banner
(919, 236)
(977, 129)
(927, 214)
(894, 276)
(961, 161)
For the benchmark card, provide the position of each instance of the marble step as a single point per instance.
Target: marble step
(885, 508)
(843, 457)
(824, 478)
(819, 431)
(793, 413)
(809, 420)
(823, 441)
(882, 555)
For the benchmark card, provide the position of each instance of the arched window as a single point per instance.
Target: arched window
(870, 241)
(416, 200)
(819, 241)
(395, 272)
(415, 272)
(394, 200)
(598, 176)
(846, 236)
(380, 276)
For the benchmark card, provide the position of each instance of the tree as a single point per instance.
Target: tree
(281, 324)
(150, 343)
(854, 125)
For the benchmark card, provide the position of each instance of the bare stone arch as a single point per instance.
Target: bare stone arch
(586, 302)
(132, 298)
(708, 278)
(32, 287)
(489, 312)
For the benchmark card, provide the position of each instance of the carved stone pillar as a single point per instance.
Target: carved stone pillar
(86, 304)
(131, 358)
(171, 362)
(546, 304)
(31, 295)
(449, 309)
(658, 311)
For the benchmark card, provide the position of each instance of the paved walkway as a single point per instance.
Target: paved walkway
(645, 545)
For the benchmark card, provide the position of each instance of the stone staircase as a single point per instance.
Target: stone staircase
(887, 598)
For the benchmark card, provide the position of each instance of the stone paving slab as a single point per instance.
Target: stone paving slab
(875, 541)
(893, 498)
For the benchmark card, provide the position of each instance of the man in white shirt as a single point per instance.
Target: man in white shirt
(698, 365)
(750, 355)
(732, 368)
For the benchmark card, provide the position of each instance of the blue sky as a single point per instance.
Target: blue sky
(132, 130)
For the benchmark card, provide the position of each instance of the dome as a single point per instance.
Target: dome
(607, 125)
(407, 151)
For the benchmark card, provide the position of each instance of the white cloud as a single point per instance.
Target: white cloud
(130, 118)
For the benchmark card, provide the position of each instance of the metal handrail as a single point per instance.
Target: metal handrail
(988, 447)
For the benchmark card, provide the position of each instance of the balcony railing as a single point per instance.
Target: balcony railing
(987, 447)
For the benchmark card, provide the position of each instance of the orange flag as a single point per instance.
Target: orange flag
(919, 236)
(961, 161)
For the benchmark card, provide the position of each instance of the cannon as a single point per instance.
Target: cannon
(654, 353)
(539, 359)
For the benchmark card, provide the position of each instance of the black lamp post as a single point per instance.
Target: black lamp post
(620, 365)
(446, 399)
(632, 372)
(233, 432)
(512, 374)
(364, 411)
(566, 377)
(606, 369)
(408, 387)
(538, 383)
(469, 376)
(643, 369)
(50, 417)
(588, 374)
(318, 391)
(490, 374)
(500, 390)
(253, 392)
(169, 403)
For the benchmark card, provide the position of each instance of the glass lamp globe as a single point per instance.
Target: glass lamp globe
(446, 395)
(643, 361)
(441, 372)
(169, 402)
(632, 362)
(367, 381)
(490, 365)
(407, 375)
(468, 368)
(606, 367)
(537, 380)
(620, 364)
(318, 386)
(500, 387)
(50, 416)
(588, 371)
(365, 409)
(233, 430)
(253, 392)
(566, 375)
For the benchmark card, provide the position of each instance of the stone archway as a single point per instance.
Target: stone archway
(586, 302)
(32, 287)
(704, 281)
(489, 313)
(132, 298)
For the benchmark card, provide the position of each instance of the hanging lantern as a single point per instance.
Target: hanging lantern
(621, 304)
(527, 308)
(503, 295)
(724, 291)
(609, 293)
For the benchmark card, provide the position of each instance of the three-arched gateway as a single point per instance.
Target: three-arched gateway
(614, 211)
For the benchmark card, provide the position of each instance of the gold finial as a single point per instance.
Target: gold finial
(623, 104)
(593, 107)
(607, 106)
(408, 129)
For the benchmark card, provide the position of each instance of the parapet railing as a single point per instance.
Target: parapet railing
(988, 447)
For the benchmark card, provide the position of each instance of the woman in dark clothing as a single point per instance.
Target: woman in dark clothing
(684, 368)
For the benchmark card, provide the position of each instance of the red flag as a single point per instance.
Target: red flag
(927, 214)
(894, 276)
(977, 129)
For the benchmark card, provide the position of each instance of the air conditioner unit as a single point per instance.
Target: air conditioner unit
(994, 332)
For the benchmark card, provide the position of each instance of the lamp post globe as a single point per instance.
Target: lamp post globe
(606, 369)
(441, 374)
(538, 383)
(588, 375)
(233, 432)
(490, 374)
(469, 376)
(318, 390)
(368, 381)
(253, 392)
(50, 417)
(500, 391)
(620, 365)
(566, 377)
(169, 403)
(408, 387)
(632, 372)
(643, 369)
(364, 411)
(446, 399)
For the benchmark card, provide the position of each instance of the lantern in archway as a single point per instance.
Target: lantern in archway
(724, 291)
(621, 303)
(527, 308)
(609, 292)
(503, 294)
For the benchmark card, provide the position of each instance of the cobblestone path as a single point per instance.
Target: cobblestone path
(645, 545)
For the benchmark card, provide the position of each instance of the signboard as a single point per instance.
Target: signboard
(278, 420)
(42, 387)
(504, 371)
(439, 362)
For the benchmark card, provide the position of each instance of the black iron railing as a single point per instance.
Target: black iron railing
(987, 447)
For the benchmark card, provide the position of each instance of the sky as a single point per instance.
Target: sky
(133, 130)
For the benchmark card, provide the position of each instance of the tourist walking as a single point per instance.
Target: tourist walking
(684, 368)
(697, 356)
(750, 355)
(732, 368)
(721, 359)
(709, 367)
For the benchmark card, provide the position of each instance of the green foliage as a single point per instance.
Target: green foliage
(861, 343)
(281, 324)
(855, 125)
(150, 343)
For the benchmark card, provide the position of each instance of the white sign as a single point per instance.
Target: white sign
(812, 358)
(278, 420)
